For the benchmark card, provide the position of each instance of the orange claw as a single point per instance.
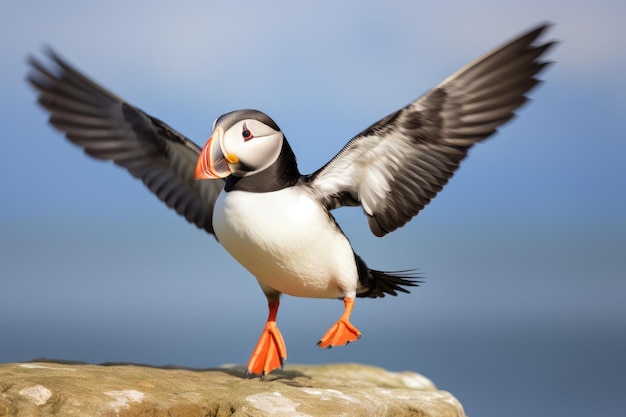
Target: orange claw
(342, 332)
(270, 352)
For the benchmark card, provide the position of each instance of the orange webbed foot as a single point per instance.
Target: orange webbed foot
(342, 332)
(270, 352)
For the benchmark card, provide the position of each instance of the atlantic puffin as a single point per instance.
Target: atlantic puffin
(244, 186)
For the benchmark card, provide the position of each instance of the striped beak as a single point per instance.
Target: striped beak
(212, 163)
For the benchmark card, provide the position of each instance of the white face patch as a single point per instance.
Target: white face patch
(255, 144)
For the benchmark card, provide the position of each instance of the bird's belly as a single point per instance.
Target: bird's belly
(287, 241)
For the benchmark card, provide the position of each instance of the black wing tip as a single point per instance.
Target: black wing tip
(542, 48)
(39, 70)
(528, 42)
(49, 52)
(540, 28)
(535, 32)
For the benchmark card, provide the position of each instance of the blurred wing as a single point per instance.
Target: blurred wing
(108, 128)
(396, 166)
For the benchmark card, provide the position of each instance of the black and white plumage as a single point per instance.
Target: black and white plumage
(396, 166)
(275, 221)
(108, 128)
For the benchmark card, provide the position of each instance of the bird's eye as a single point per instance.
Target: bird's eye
(246, 134)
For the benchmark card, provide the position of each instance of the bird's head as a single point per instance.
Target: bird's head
(243, 143)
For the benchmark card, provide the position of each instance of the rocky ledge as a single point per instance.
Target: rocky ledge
(67, 389)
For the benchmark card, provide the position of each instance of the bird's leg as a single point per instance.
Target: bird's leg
(342, 332)
(270, 352)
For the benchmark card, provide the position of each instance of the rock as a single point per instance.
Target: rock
(70, 389)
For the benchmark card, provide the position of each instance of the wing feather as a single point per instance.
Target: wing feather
(108, 128)
(394, 168)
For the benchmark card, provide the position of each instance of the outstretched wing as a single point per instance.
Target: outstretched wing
(396, 166)
(106, 127)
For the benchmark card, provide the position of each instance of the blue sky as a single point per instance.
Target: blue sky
(530, 234)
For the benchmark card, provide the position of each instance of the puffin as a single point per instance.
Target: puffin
(244, 187)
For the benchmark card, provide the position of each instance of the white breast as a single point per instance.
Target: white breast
(287, 241)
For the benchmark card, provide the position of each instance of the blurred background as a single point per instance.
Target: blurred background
(523, 310)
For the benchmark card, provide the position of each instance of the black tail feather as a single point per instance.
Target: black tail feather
(375, 283)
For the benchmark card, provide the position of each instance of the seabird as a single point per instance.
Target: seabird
(245, 188)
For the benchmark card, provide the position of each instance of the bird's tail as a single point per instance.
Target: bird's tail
(373, 283)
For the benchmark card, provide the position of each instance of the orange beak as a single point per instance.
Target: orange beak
(212, 164)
